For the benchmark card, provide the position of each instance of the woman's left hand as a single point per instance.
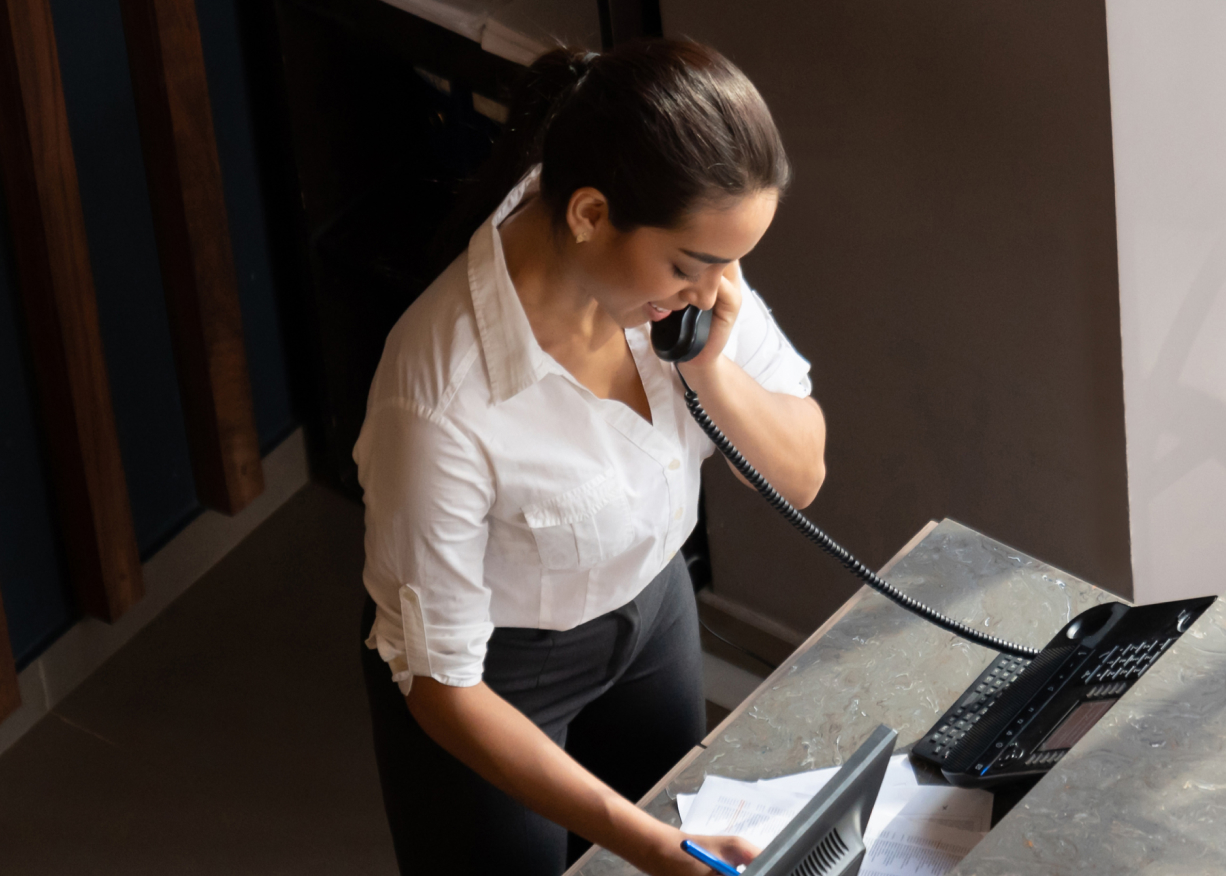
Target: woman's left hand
(783, 436)
(727, 306)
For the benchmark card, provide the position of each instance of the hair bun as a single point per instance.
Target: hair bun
(583, 65)
(663, 126)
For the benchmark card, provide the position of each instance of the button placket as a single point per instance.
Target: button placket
(659, 439)
(658, 384)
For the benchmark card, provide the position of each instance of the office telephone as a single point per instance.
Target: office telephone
(1020, 717)
(1023, 713)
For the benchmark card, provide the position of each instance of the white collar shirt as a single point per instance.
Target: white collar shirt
(500, 491)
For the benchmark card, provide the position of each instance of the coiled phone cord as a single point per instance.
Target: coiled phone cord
(830, 546)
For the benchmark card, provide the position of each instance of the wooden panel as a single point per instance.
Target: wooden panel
(10, 696)
(52, 257)
(185, 187)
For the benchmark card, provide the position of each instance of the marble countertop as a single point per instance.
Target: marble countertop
(1144, 791)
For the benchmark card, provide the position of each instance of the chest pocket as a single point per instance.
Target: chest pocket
(582, 527)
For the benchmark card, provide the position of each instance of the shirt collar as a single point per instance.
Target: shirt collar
(513, 357)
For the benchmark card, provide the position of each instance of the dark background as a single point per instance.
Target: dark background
(341, 149)
(132, 311)
(946, 260)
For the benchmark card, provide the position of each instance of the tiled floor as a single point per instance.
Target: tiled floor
(231, 735)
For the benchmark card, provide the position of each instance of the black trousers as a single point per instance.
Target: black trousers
(621, 693)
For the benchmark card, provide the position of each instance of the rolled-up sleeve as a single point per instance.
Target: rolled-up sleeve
(428, 491)
(761, 348)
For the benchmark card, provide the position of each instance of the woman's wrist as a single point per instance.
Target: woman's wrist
(705, 377)
(663, 849)
(643, 840)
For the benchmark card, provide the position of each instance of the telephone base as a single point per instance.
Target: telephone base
(1020, 717)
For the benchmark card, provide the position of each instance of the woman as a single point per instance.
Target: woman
(530, 470)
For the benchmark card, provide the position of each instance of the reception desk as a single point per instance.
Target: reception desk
(1143, 792)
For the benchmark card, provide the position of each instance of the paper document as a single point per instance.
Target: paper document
(899, 772)
(917, 848)
(963, 808)
(923, 826)
(726, 807)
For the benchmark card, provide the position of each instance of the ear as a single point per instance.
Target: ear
(587, 213)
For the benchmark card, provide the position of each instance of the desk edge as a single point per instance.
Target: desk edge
(820, 631)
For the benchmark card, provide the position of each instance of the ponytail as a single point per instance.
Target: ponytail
(547, 84)
(659, 127)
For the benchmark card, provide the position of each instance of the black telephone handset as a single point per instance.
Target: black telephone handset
(681, 337)
(1029, 706)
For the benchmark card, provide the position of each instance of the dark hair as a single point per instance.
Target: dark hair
(660, 127)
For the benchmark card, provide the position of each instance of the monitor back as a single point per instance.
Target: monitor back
(826, 838)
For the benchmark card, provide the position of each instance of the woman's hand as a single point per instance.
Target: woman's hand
(500, 744)
(782, 436)
(732, 849)
(723, 317)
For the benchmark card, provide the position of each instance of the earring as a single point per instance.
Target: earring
(581, 237)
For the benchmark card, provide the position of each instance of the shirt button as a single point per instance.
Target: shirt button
(674, 465)
(677, 514)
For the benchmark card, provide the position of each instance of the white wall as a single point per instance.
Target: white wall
(1168, 106)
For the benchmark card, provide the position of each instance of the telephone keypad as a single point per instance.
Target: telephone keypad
(1002, 672)
(1126, 663)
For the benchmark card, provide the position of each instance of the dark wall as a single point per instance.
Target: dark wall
(37, 600)
(946, 259)
(379, 132)
(132, 312)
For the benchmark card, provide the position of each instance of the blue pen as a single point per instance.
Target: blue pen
(709, 859)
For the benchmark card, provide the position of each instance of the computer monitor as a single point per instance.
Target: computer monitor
(826, 838)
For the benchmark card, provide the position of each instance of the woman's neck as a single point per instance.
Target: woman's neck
(565, 317)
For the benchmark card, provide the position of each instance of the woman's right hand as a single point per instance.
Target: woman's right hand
(496, 741)
(732, 849)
